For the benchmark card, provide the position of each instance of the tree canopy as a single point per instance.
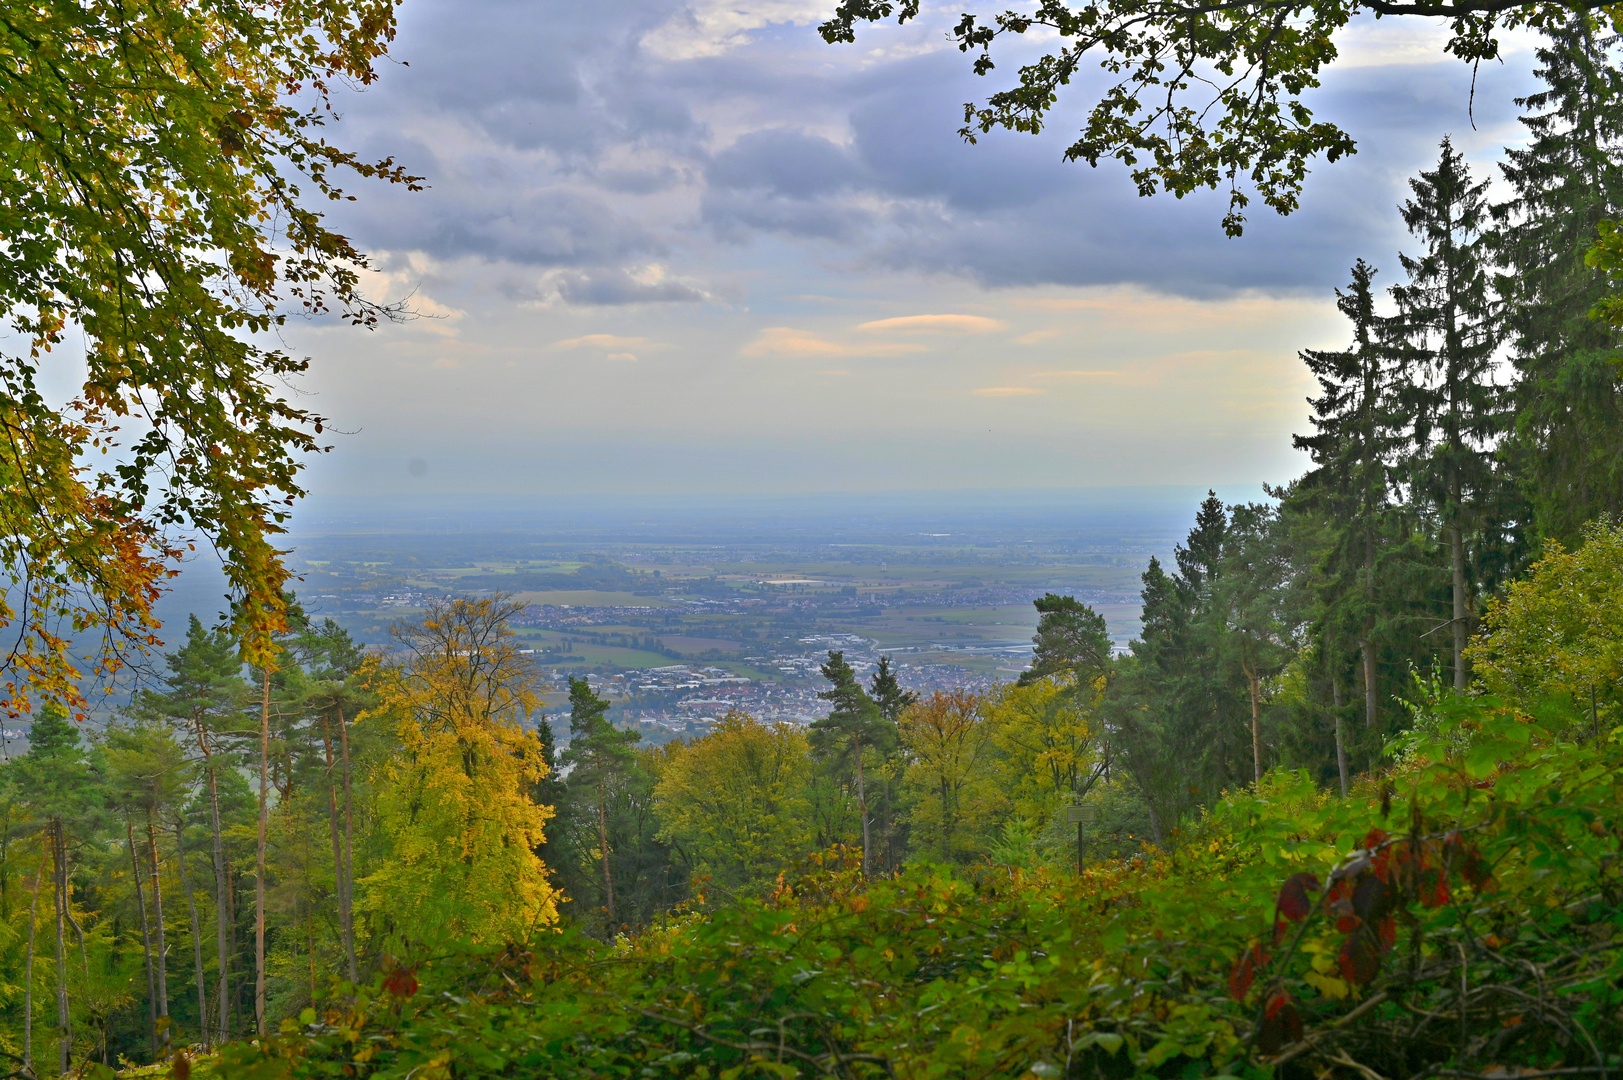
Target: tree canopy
(164, 167)
(1203, 93)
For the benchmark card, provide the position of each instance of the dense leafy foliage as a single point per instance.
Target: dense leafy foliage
(163, 167)
(1462, 913)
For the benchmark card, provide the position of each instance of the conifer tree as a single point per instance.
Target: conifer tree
(1567, 446)
(205, 694)
(60, 783)
(891, 817)
(600, 758)
(854, 725)
(1359, 431)
(1178, 715)
(1445, 331)
(1071, 640)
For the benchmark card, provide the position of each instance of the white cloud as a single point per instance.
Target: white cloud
(1009, 391)
(600, 341)
(935, 324)
(712, 27)
(787, 343)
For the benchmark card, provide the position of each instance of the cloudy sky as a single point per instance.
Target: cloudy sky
(676, 247)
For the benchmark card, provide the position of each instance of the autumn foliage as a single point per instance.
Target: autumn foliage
(1458, 915)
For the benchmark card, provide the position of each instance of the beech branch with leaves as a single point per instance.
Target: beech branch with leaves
(1205, 94)
(163, 162)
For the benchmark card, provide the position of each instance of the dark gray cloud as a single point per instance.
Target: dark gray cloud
(617, 287)
(560, 140)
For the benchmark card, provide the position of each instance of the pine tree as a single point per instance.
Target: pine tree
(63, 787)
(1567, 447)
(1445, 331)
(205, 695)
(601, 759)
(1071, 641)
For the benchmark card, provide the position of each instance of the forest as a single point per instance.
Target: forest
(1350, 805)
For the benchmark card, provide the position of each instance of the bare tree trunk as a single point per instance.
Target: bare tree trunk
(1256, 722)
(1461, 629)
(603, 839)
(1341, 736)
(862, 805)
(197, 934)
(222, 900)
(146, 938)
(337, 852)
(347, 911)
(28, 974)
(1366, 643)
(64, 1021)
(259, 863)
(162, 965)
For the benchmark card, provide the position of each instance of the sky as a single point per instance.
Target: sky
(674, 248)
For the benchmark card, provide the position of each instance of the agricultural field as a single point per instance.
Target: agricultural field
(677, 626)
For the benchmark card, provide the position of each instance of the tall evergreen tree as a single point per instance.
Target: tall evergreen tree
(890, 815)
(1445, 330)
(205, 695)
(1178, 713)
(1071, 640)
(61, 784)
(601, 760)
(853, 726)
(1358, 434)
(1567, 446)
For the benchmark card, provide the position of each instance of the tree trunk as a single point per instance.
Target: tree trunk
(603, 840)
(862, 805)
(1341, 736)
(1366, 643)
(1457, 544)
(347, 911)
(339, 889)
(28, 974)
(64, 1021)
(1256, 722)
(162, 966)
(222, 900)
(197, 935)
(146, 938)
(259, 860)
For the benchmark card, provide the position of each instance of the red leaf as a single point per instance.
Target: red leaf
(1388, 928)
(1293, 902)
(1244, 972)
(401, 982)
(1360, 956)
(1281, 1024)
(1371, 899)
(1433, 887)
(1373, 839)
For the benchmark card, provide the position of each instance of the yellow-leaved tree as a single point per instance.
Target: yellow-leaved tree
(1048, 738)
(735, 801)
(455, 808)
(1559, 631)
(950, 774)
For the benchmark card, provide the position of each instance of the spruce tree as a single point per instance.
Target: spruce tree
(853, 726)
(1178, 712)
(1358, 433)
(1445, 331)
(1567, 446)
